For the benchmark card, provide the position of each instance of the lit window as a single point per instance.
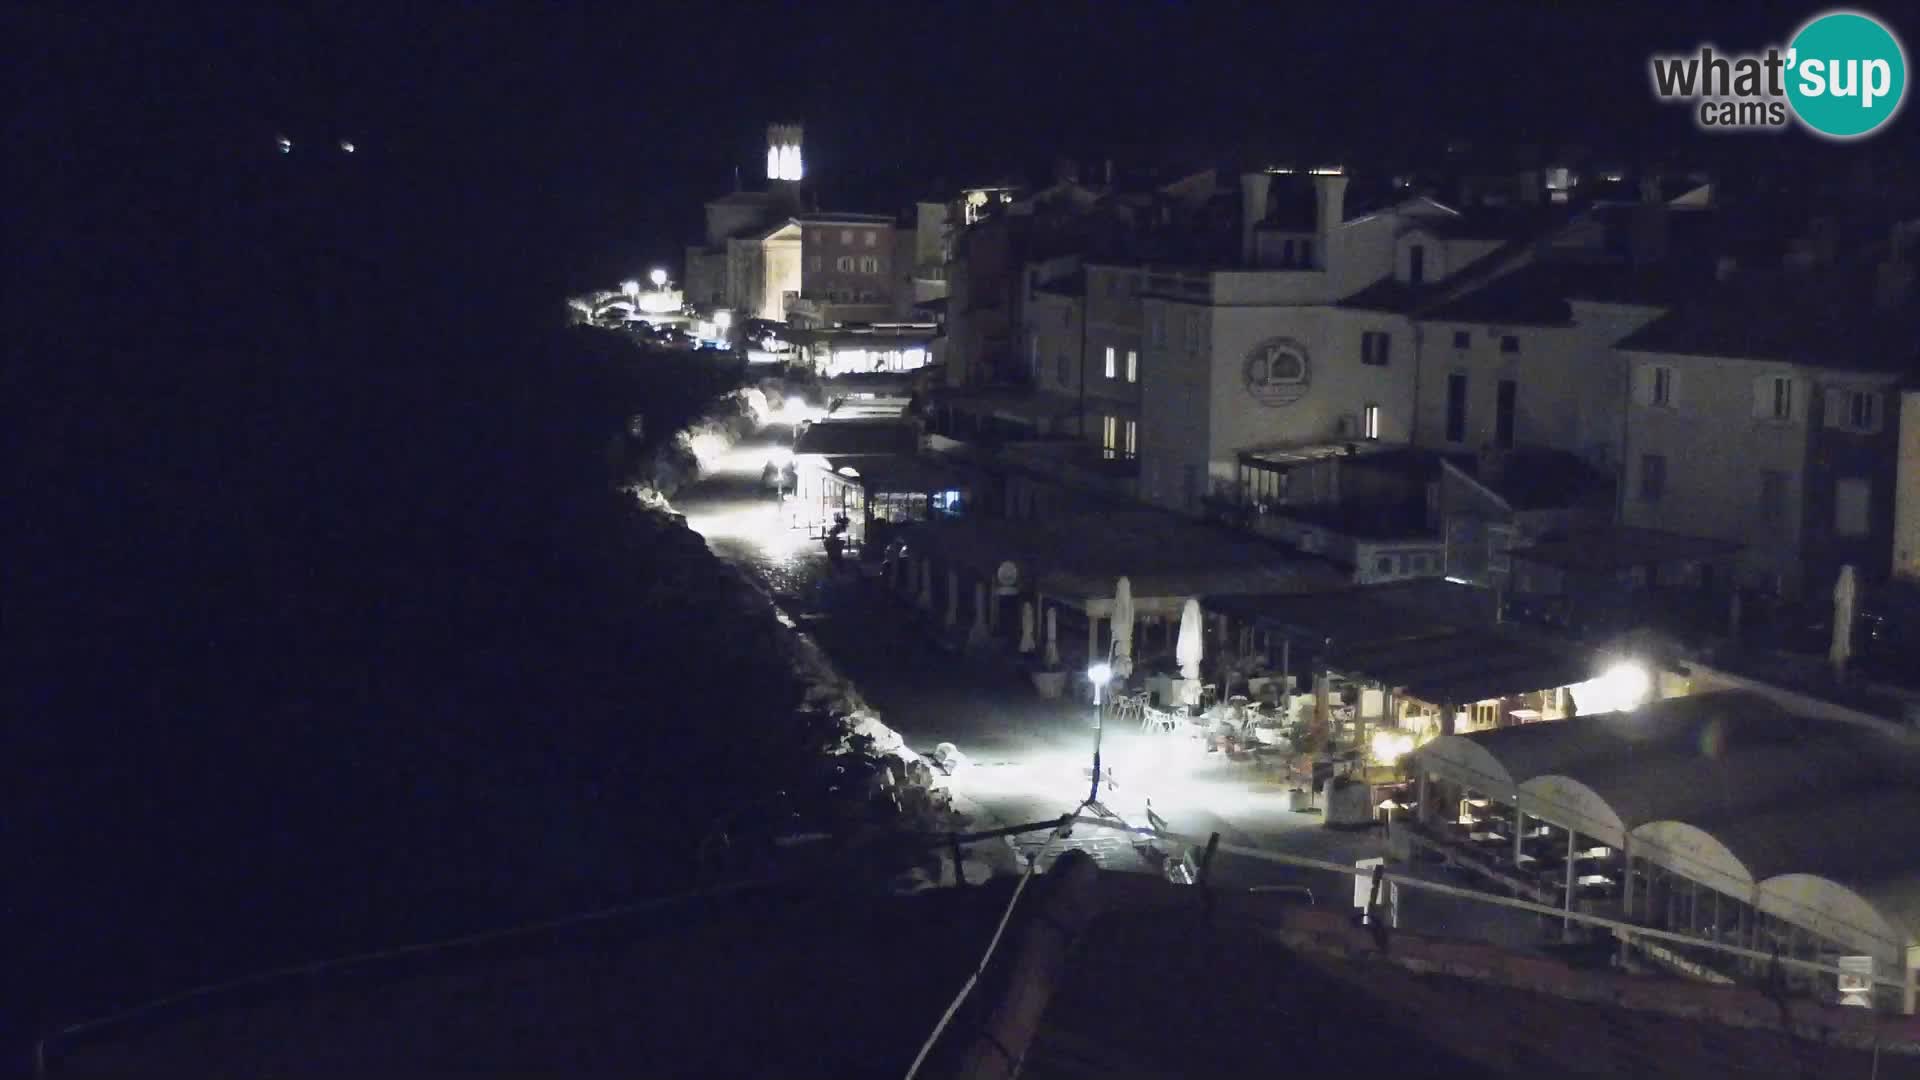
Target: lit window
(1133, 438)
(869, 237)
(1110, 435)
(1375, 346)
(844, 264)
(1370, 421)
(846, 237)
(1133, 365)
(1853, 410)
(1111, 359)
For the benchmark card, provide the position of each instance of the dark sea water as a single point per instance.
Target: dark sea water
(325, 628)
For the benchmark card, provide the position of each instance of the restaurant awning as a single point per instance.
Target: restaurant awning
(1466, 665)
(896, 474)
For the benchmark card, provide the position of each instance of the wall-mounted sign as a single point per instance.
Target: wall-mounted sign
(1277, 372)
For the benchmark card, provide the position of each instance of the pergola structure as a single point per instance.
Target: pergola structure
(1718, 816)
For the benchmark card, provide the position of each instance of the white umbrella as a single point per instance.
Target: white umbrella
(953, 599)
(1187, 651)
(1123, 629)
(1845, 596)
(926, 585)
(977, 634)
(1052, 658)
(1026, 627)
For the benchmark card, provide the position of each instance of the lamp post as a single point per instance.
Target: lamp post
(658, 277)
(1098, 675)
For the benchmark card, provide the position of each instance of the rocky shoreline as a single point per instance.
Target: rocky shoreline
(874, 783)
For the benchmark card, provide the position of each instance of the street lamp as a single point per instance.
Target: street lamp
(1098, 675)
(659, 278)
(631, 288)
(722, 320)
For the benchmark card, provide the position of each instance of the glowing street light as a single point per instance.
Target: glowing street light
(658, 277)
(631, 288)
(722, 320)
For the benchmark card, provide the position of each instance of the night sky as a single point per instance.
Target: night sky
(594, 132)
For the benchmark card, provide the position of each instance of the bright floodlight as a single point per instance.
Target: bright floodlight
(346, 146)
(286, 145)
(631, 288)
(723, 319)
(659, 277)
(1099, 674)
(1626, 685)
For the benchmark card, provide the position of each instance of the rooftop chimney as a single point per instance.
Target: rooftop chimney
(1253, 209)
(1330, 202)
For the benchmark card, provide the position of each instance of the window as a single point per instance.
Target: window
(1306, 253)
(869, 264)
(1653, 477)
(846, 237)
(1462, 339)
(1157, 327)
(1660, 387)
(1503, 413)
(1383, 565)
(1370, 421)
(1853, 410)
(1033, 354)
(1060, 369)
(1111, 362)
(1374, 347)
(869, 237)
(1773, 398)
(1863, 410)
(1509, 344)
(1457, 407)
(1852, 505)
(1133, 365)
(1417, 264)
(844, 264)
(1132, 443)
(1773, 496)
(1110, 435)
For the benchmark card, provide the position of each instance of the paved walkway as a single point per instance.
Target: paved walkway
(1028, 758)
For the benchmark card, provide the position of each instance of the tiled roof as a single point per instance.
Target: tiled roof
(1824, 318)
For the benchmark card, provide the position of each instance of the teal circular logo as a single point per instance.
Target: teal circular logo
(1847, 74)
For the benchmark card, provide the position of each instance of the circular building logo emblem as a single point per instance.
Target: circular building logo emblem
(1277, 372)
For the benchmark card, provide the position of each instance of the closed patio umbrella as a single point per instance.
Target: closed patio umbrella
(1846, 595)
(1027, 644)
(1188, 651)
(1122, 629)
(1052, 659)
